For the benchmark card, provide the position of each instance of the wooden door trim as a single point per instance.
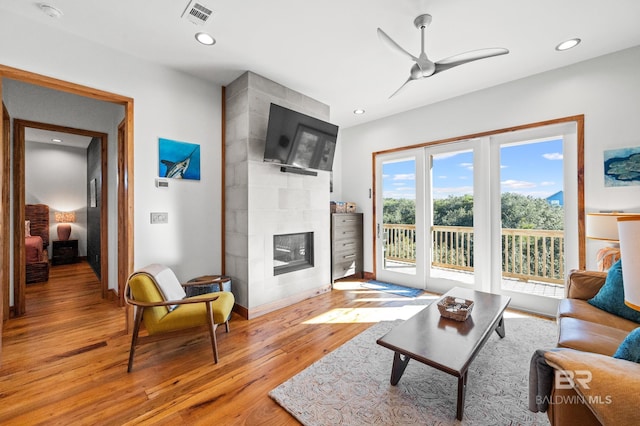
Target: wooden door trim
(5, 225)
(19, 199)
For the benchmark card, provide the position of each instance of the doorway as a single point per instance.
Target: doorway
(125, 169)
(19, 201)
(399, 231)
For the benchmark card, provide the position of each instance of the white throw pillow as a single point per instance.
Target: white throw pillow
(166, 281)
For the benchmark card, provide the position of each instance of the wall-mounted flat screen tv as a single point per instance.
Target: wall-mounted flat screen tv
(298, 140)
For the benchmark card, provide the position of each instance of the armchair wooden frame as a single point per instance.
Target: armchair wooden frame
(139, 308)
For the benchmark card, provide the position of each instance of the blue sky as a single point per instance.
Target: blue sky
(533, 169)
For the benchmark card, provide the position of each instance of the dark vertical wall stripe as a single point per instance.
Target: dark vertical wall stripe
(93, 213)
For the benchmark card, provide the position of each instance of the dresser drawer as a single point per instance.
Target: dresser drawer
(348, 220)
(346, 244)
(345, 268)
(346, 234)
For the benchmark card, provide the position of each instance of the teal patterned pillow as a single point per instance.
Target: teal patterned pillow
(629, 349)
(610, 298)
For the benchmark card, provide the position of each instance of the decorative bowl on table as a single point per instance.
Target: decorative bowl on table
(455, 308)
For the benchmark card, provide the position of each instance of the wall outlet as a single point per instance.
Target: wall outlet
(159, 217)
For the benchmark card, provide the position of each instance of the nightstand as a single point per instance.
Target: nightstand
(65, 252)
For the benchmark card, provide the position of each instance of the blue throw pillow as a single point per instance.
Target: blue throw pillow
(629, 349)
(610, 298)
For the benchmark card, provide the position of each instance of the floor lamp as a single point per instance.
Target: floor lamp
(629, 231)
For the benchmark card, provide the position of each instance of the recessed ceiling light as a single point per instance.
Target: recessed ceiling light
(358, 111)
(56, 140)
(50, 10)
(568, 44)
(205, 38)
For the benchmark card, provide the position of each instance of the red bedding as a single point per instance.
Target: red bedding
(33, 248)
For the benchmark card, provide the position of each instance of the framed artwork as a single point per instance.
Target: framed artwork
(92, 193)
(622, 167)
(178, 160)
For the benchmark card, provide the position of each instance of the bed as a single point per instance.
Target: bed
(36, 242)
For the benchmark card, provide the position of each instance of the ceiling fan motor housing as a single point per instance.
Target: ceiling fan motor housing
(422, 21)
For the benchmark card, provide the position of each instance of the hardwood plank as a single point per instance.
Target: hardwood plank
(65, 361)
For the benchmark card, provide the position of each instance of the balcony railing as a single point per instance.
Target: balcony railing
(527, 254)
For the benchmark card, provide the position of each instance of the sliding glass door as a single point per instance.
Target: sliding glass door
(454, 209)
(535, 225)
(399, 221)
(488, 213)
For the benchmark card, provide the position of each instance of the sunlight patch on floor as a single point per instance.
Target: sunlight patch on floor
(515, 314)
(372, 315)
(368, 315)
(377, 314)
(392, 298)
(347, 285)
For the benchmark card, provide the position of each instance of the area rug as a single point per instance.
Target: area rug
(392, 288)
(350, 386)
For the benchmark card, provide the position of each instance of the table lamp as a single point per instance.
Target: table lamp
(604, 227)
(64, 220)
(629, 231)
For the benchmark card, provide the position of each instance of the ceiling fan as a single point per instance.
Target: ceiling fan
(423, 66)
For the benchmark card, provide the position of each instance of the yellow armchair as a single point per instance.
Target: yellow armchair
(159, 301)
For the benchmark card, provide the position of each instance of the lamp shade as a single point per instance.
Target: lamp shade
(604, 226)
(629, 232)
(65, 217)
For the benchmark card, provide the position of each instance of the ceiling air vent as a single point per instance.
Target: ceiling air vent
(197, 13)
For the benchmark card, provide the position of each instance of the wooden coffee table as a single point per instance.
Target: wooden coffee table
(446, 344)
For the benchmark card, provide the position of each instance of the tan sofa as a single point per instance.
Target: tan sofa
(611, 393)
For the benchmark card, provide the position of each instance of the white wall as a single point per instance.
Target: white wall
(167, 104)
(606, 90)
(57, 176)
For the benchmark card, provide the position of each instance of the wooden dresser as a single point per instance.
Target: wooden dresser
(346, 245)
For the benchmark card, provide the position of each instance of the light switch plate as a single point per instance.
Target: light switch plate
(159, 217)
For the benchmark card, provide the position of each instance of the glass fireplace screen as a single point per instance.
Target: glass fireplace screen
(292, 252)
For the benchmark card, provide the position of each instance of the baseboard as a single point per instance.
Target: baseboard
(364, 276)
(241, 310)
(283, 303)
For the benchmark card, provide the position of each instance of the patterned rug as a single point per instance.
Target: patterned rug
(350, 386)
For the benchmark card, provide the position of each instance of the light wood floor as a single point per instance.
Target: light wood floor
(65, 361)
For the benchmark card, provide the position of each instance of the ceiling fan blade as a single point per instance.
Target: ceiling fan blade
(394, 46)
(466, 57)
(401, 87)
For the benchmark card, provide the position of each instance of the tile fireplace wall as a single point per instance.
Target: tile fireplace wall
(261, 201)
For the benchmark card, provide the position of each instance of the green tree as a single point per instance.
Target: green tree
(453, 211)
(526, 212)
(518, 212)
(399, 211)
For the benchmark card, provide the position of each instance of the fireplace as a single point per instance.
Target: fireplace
(292, 252)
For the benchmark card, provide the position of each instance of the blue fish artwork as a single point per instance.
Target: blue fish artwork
(178, 160)
(622, 167)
